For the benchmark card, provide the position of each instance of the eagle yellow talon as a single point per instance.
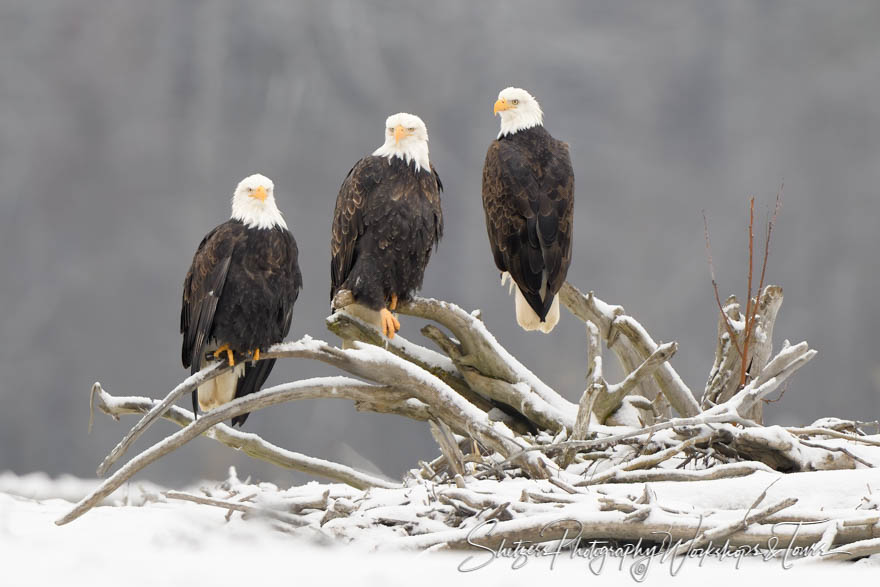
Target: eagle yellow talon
(393, 304)
(256, 355)
(390, 324)
(230, 356)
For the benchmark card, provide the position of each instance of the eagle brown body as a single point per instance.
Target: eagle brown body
(239, 292)
(528, 198)
(386, 223)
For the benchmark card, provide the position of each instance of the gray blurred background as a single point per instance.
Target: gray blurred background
(125, 126)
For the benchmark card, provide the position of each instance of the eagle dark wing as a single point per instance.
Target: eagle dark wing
(556, 215)
(438, 211)
(288, 283)
(348, 218)
(202, 289)
(287, 279)
(528, 201)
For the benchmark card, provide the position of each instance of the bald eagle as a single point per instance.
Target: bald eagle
(386, 222)
(238, 295)
(528, 198)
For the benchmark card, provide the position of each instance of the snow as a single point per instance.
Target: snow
(423, 355)
(817, 491)
(306, 343)
(172, 542)
(39, 486)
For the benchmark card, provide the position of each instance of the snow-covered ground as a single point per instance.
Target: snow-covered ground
(139, 540)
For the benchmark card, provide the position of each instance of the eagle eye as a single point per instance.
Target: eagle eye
(411, 129)
(514, 101)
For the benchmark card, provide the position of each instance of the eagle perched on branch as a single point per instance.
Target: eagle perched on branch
(238, 295)
(528, 198)
(386, 223)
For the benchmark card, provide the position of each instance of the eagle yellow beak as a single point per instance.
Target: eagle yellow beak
(260, 194)
(399, 133)
(500, 106)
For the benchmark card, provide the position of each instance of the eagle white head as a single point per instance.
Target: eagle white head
(406, 136)
(518, 109)
(254, 203)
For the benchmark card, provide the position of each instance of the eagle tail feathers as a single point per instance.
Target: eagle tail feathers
(252, 379)
(529, 320)
(221, 389)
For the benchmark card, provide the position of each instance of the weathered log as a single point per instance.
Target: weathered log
(631, 343)
(724, 377)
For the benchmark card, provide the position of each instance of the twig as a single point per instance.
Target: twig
(719, 533)
(291, 519)
(749, 314)
(840, 449)
(724, 471)
(644, 461)
(724, 317)
(563, 485)
(448, 446)
(816, 431)
(770, 224)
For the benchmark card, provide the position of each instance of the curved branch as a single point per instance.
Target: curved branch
(480, 349)
(187, 385)
(519, 396)
(632, 349)
(369, 362)
(486, 366)
(306, 389)
(347, 327)
(247, 442)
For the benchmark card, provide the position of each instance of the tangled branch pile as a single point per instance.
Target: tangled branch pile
(515, 451)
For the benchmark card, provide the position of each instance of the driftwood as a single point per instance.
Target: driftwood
(724, 376)
(497, 423)
(246, 442)
(632, 345)
(424, 515)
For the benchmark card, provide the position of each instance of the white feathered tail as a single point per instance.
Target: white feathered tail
(221, 389)
(526, 316)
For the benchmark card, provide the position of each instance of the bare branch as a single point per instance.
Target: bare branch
(249, 443)
(723, 471)
(487, 368)
(749, 314)
(307, 389)
(186, 386)
(633, 348)
(348, 327)
(645, 461)
(594, 387)
(293, 520)
(610, 401)
(448, 445)
(725, 319)
(719, 533)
